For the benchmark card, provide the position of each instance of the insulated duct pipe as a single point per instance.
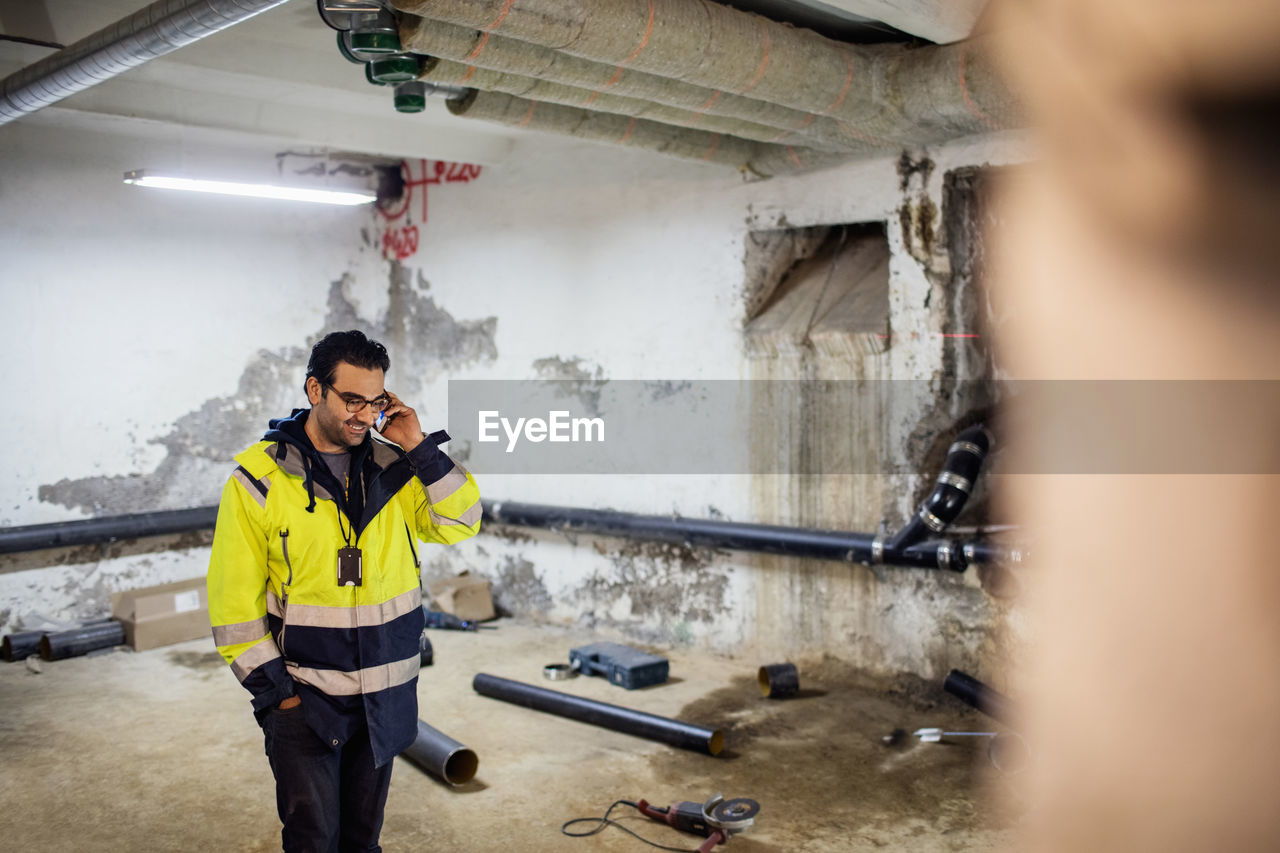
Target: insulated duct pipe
(762, 538)
(651, 726)
(160, 28)
(442, 756)
(926, 94)
(759, 158)
(542, 67)
(97, 531)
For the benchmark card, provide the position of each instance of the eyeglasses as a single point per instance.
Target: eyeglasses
(356, 403)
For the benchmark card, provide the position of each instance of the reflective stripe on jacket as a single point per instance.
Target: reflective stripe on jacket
(281, 620)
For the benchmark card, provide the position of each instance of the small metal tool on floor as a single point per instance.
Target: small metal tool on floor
(718, 819)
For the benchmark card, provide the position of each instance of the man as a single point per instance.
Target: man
(314, 588)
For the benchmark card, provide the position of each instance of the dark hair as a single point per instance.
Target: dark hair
(352, 347)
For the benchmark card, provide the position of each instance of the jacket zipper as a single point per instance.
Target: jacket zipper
(412, 550)
(284, 589)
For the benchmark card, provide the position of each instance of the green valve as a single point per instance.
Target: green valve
(375, 42)
(395, 69)
(411, 103)
(411, 97)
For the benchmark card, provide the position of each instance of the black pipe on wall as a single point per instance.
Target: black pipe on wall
(736, 536)
(626, 720)
(848, 547)
(97, 531)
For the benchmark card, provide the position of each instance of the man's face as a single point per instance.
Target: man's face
(330, 426)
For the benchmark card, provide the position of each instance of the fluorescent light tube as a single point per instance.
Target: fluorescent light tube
(142, 179)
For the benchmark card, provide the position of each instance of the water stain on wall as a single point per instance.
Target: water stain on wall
(419, 334)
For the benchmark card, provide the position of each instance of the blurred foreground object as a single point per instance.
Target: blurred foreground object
(1145, 246)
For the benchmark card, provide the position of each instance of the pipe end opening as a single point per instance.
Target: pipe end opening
(715, 743)
(461, 766)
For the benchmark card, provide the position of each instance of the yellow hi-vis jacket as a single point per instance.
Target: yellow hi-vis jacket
(280, 617)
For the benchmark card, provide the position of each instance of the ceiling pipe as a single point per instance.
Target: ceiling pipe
(478, 50)
(154, 31)
(757, 158)
(924, 95)
(488, 80)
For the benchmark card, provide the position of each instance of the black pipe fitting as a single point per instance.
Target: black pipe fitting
(954, 484)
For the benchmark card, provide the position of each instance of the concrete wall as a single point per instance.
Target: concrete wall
(155, 335)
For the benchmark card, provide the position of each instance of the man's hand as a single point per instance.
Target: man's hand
(291, 702)
(402, 425)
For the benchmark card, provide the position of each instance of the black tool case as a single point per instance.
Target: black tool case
(621, 665)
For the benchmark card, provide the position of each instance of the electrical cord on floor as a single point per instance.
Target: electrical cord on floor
(602, 822)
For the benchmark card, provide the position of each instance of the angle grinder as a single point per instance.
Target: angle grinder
(718, 819)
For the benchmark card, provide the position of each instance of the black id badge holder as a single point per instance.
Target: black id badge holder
(350, 570)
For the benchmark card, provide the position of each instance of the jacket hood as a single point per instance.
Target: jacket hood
(293, 431)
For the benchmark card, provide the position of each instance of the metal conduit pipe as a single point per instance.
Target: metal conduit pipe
(97, 531)
(154, 31)
(843, 546)
(944, 503)
(442, 756)
(651, 726)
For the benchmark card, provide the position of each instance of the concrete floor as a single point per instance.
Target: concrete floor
(158, 750)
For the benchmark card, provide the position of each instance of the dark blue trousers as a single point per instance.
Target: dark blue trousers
(330, 800)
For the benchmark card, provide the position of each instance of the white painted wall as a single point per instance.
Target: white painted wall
(136, 316)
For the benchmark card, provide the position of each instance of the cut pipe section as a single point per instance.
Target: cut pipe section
(442, 756)
(20, 645)
(81, 641)
(987, 700)
(160, 28)
(651, 726)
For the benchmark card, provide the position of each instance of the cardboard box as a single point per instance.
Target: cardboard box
(465, 596)
(163, 615)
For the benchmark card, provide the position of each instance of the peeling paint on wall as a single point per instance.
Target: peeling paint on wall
(574, 378)
(423, 338)
(654, 590)
(518, 590)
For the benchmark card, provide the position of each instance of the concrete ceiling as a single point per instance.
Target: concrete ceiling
(278, 78)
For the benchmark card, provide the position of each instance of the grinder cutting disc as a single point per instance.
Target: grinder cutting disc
(736, 814)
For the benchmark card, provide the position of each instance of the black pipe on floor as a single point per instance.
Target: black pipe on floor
(442, 756)
(96, 531)
(81, 641)
(20, 645)
(638, 723)
(987, 700)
